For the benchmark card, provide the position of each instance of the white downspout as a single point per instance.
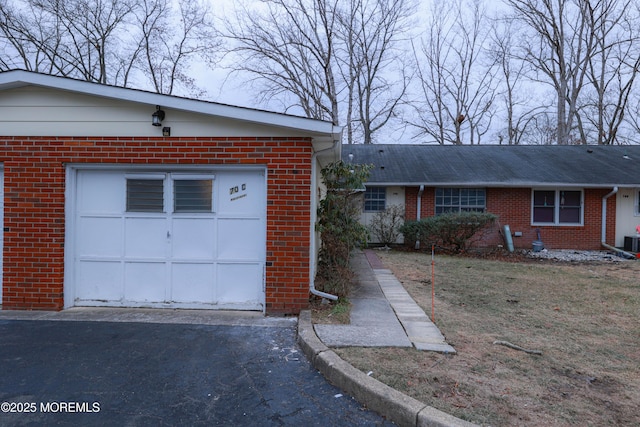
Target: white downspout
(418, 209)
(603, 239)
(314, 218)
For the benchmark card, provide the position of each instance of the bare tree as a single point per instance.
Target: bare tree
(558, 47)
(104, 41)
(456, 77)
(289, 47)
(551, 52)
(322, 55)
(521, 113)
(85, 35)
(632, 120)
(349, 62)
(22, 30)
(587, 51)
(612, 69)
(541, 129)
(167, 47)
(377, 74)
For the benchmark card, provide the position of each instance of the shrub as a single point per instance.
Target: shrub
(415, 231)
(452, 231)
(385, 225)
(339, 226)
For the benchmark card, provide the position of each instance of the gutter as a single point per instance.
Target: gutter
(418, 209)
(603, 239)
(497, 184)
(314, 218)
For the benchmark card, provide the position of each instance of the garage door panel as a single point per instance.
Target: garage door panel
(241, 193)
(192, 283)
(100, 236)
(242, 283)
(145, 282)
(193, 238)
(100, 192)
(146, 238)
(101, 281)
(240, 239)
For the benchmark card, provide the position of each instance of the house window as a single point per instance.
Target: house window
(638, 203)
(557, 207)
(375, 199)
(460, 200)
(192, 195)
(145, 195)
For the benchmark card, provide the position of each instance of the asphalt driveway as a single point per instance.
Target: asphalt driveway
(69, 373)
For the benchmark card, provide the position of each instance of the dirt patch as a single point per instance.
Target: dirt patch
(330, 312)
(583, 318)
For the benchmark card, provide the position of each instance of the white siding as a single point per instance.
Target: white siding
(394, 196)
(626, 216)
(35, 111)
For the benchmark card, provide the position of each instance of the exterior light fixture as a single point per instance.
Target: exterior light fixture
(157, 117)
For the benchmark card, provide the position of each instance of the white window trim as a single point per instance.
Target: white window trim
(187, 176)
(460, 206)
(556, 213)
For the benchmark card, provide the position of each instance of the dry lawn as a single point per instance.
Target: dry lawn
(584, 318)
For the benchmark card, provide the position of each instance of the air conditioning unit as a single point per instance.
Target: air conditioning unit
(631, 243)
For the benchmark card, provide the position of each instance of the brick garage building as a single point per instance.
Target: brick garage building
(579, 197)
(212, 208)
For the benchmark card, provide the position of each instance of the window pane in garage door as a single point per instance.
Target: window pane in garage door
(192, 195)
(145, 195)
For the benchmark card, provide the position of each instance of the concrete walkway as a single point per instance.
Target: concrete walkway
(383, 314)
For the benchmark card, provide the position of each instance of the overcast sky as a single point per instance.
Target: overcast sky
(220, 86)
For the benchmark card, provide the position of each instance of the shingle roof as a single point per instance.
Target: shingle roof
(499, 165)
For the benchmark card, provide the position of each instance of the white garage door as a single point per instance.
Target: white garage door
(170, 239)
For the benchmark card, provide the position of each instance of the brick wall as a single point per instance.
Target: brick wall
(513, 208)
(34, 222)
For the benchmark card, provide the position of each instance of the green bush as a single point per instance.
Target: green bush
(339, 226)
(454, 232)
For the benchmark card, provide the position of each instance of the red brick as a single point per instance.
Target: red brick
(513, 208)
(34, 169)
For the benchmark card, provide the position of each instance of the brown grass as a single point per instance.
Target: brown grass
(331, 313)
(584, 318)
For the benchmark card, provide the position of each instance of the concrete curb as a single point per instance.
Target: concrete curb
(390, 403)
